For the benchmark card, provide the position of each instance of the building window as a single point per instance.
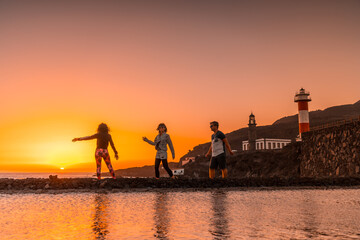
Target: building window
(278, 145)
(274, 145)
(283, 144)
(261, 146)
(269, 145)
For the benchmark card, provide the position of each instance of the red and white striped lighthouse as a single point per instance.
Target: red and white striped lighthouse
(302, 98)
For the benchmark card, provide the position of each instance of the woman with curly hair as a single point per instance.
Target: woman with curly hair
(103, 139)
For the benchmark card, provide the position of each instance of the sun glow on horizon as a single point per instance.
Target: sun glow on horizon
(43, 143)
(66, 68)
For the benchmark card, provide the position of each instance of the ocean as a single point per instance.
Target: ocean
(17, 175)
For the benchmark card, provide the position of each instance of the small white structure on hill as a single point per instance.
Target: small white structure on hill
(266, 144)
(178, 172)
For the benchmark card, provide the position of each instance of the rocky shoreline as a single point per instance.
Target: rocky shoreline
(53, 185)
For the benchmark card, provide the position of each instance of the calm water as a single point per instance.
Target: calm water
(282, 214)
(46, 175)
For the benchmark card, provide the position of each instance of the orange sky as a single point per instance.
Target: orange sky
(66, 66)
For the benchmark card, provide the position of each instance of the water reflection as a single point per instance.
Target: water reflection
(309, 212)
(161, 216)
(219, 227)
(255, 212)
(100, 222)
(283, 214)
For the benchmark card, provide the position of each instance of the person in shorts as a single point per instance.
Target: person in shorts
(217, 151)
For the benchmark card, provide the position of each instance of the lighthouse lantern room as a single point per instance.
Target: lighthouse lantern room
(302, 98)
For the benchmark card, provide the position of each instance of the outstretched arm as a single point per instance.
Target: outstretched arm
(84, 138)
(148, 141)
(169, 142)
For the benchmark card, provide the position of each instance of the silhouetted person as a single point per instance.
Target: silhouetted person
(103, 139)
(217, 150)
(161, 141)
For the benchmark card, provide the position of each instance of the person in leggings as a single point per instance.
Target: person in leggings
(161, 141)
(103, 139)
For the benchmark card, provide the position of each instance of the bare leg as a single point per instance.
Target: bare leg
(211, 173)
(224, 173)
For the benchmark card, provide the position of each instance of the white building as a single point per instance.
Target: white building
(267, 144)
(178, 172)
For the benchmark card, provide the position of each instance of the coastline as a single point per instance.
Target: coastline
(159, 190)
(85, 185)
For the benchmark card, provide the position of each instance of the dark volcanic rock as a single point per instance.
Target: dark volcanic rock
(39, 185)
(265, 164)
(145, 171)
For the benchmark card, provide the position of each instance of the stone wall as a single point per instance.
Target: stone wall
(331, 152)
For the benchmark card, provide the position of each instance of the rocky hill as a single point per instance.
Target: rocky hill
(286, 127)
(330, 114)
(263, 164)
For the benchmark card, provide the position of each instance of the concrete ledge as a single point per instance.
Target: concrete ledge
(40, 185)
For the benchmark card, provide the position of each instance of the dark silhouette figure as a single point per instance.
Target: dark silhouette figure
(103, 139)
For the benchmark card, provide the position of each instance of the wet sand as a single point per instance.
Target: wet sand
(64, 185)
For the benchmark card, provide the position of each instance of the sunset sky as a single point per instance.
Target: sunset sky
(66, 66)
